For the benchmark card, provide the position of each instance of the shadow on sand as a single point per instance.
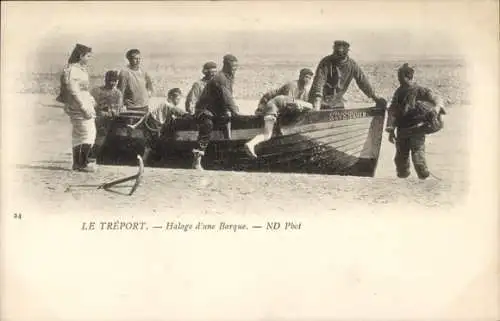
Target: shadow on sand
(44, 167)
(52, 106)
(97, 186)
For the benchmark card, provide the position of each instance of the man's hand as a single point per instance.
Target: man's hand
(316, 105)
(381, 102)
(392, 137)
(88, 114)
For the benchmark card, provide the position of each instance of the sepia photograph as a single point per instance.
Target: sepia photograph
(220, 160)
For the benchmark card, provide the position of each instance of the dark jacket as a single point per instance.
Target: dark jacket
(332, 78)
(404, 110)
(217, 96)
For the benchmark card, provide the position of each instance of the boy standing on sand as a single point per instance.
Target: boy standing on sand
(135, 83)
(410, 105)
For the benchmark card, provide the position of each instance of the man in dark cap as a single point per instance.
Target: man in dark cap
(215, 106)
(135, 83)
(333, 77)
(209, 70)
(410, 105)
(292, 96)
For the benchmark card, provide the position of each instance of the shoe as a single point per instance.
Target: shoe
(423, 176)
(404, 175)
(86, 164)
(90, 168)
(249, 149)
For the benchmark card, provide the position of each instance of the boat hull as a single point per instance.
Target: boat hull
(332, 142)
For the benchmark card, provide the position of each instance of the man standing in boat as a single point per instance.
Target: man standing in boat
(215, 106)
(410, 104)
(209, 71)
(292, 95)
(135, 83)
(333, 77)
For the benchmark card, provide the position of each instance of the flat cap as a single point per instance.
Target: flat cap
(406, 70)
(306, 71)
(229, 58)
(341, 43)
(209, 65)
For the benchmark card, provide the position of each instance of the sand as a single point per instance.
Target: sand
(40, 175)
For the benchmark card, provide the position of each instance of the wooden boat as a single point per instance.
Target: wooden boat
(330, 141)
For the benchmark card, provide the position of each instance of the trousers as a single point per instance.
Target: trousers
(205, 124)
(416, 146)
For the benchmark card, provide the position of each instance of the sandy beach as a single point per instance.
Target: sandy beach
(42, 174)
(377, 248)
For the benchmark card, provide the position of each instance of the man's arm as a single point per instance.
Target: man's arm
(118, 102)
(122, 81)
(192, 97)
(428, 95)
(227, 97)
(75, 91)
(74, 87)
(362, 82)
(149, 84)
(319, 81)
(122, 84)
(391, 113)
(283, 90)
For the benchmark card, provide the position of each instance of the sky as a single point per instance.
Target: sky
(377, 30)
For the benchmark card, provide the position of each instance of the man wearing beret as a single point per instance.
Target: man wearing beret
(209, 71)
(333, 77)
(410, 105)
(215, 106)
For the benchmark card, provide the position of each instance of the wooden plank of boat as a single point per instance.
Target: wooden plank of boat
(337, 141)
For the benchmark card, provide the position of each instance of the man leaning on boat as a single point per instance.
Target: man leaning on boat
(215, 107)
(292, 95)
(333, 77)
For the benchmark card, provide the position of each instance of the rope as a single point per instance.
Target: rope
(439, 179)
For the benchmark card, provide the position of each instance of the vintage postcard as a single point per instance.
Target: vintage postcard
(305, 160)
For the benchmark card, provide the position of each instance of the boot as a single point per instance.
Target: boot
(197, 159)
(269, 122)
(76, 157)
(87, 165)
(147, 155)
